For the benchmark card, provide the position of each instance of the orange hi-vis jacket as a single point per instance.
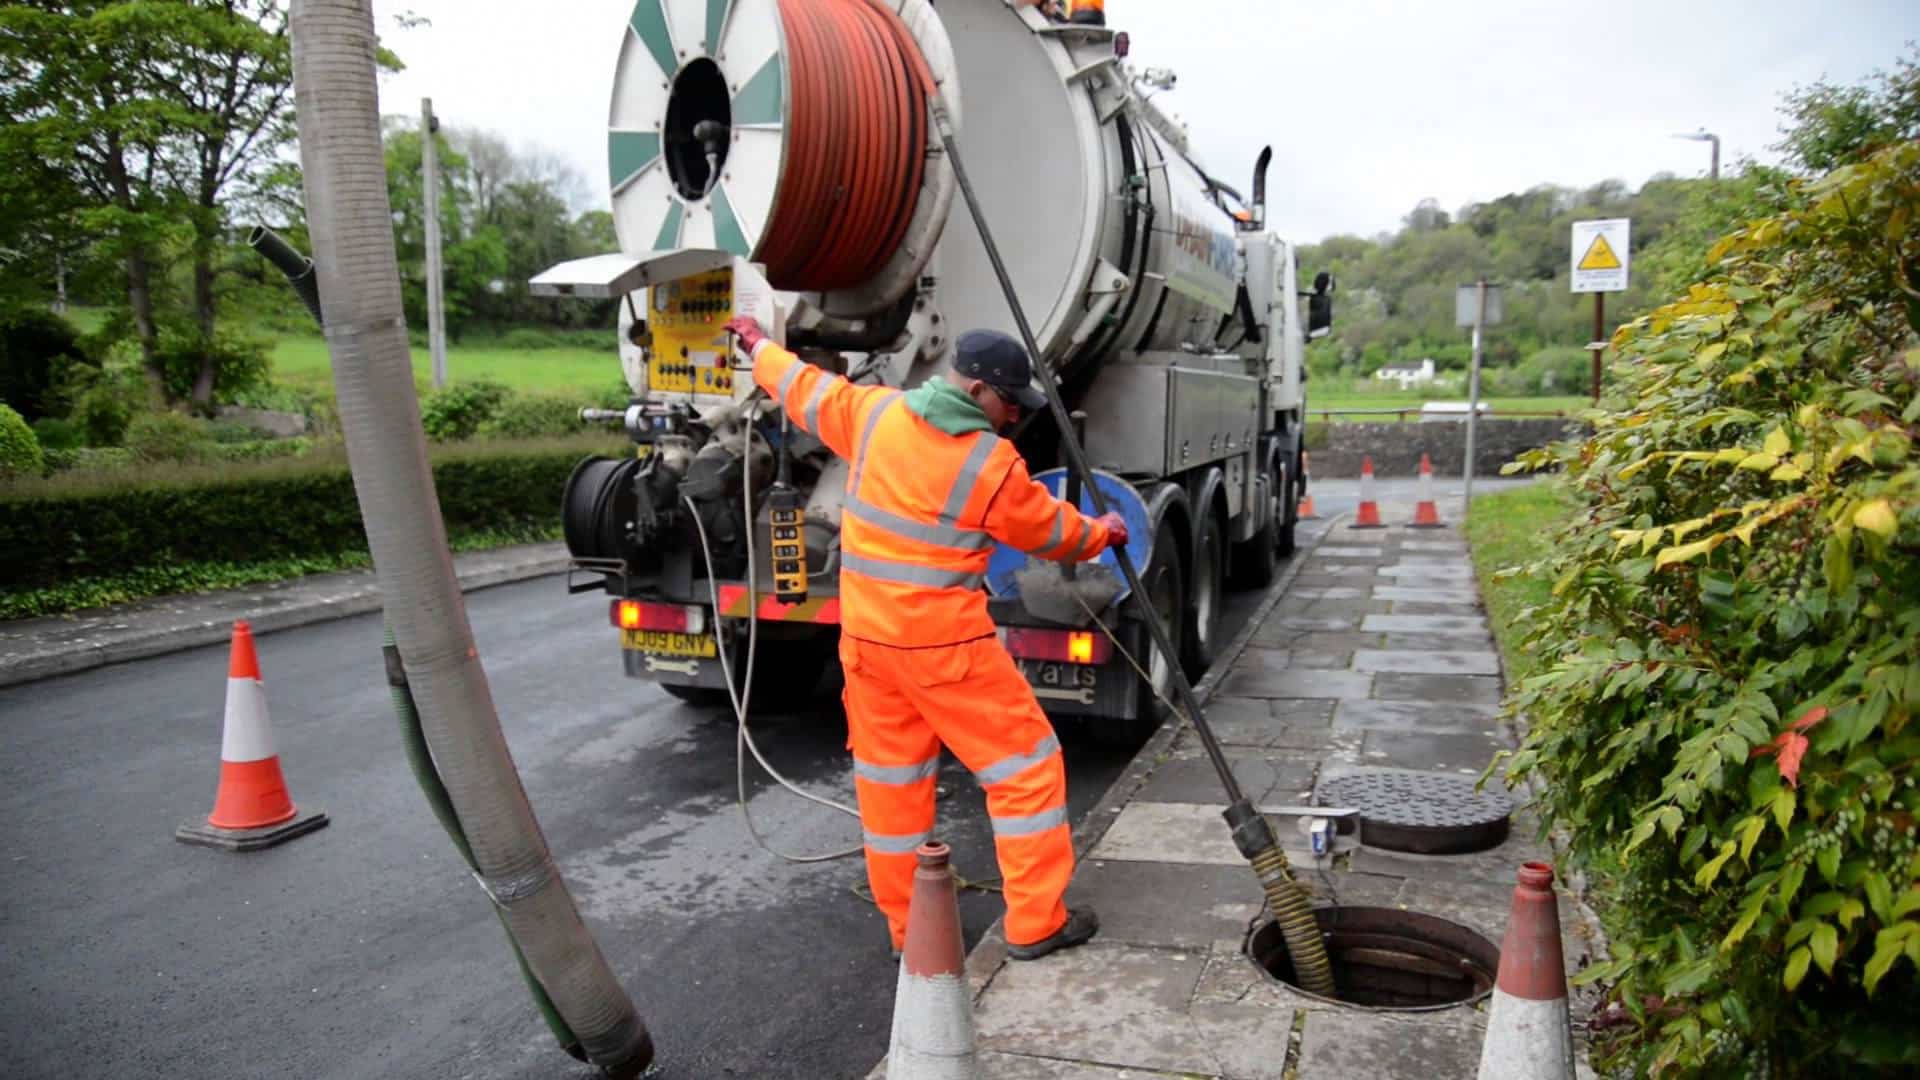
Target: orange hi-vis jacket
(923, 507)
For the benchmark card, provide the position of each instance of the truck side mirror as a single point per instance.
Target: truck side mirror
(1320, 306)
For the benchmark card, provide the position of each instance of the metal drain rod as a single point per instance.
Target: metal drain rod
(1253, 834)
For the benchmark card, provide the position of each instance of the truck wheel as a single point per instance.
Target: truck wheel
(1203, 614)
(1166, 589)
(1283, 542)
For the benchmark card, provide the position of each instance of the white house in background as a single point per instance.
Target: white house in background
(1408, 375)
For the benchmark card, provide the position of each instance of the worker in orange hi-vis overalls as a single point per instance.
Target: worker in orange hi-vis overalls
(930, 488)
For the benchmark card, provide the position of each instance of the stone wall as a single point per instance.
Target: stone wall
(1396, 448)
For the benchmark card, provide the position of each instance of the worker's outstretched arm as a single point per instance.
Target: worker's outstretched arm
(1025, 515)
(821, 403)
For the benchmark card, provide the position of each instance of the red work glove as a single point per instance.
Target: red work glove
(1116, 529)
(747, 328)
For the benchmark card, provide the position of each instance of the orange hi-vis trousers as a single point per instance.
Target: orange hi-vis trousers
(902, 705)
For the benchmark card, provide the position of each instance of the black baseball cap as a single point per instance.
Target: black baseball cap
(1000, 362)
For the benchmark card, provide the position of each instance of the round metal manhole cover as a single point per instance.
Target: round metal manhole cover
(1424, 813)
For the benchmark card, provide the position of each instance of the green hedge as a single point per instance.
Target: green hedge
(112, 523)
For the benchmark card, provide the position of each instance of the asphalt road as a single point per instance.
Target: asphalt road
(366, 949)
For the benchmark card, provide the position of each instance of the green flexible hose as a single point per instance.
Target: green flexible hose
(420, 758)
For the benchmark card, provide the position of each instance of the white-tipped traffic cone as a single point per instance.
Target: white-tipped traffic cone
(933, 1035)
(252, 808)
(1529, 1036)
(1426, 512)
(1306, 512)
(1369, 514)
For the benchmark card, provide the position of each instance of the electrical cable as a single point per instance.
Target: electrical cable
(857, 137)
(741, 695)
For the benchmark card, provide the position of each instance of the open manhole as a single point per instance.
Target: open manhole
(1421, 812)
(1388, 959)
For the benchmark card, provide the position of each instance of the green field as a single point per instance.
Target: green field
(1369, 399)
(302, 362)
(1512, 528)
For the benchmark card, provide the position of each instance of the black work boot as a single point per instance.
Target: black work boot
(1082, 924)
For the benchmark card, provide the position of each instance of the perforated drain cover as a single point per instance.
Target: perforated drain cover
(1424, 813)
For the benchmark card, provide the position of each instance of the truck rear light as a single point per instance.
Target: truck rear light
(1060, 646)
(644, 615)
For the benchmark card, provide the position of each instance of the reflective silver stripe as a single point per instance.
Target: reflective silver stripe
(1058, 533)
(1085, 541)
(1014, 764)
(895, 845)
(786, 381)
(969, 477)
(943, 534)
(866, 441)
(908, 573)
(896, 774)
(1032, 823)
(812, 418)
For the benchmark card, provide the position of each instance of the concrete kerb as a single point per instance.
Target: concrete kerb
(990, 954)
(138, 644)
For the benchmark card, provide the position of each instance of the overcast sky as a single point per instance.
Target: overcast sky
(1370, 106)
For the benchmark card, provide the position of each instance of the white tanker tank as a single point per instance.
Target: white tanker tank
(798, 138)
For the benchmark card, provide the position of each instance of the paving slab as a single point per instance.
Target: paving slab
(1348, 551)
(1343, 1045)
(1102, 1004)
(1433, 642)
(1426, 624)
(1429, 662)
(1437, 572)
(1264, 779)
(1022, 1067)
(1427, 716)
(1496, 866)
(1280, 627)
(1417, 607)
(1186, 833)
(1271, 725)
(1467, 754)
(1152, 903)
(1470, 689)
(1451, 547)
(1424, 595)
(1282, 682)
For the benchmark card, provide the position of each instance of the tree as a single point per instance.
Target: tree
(1829, 126)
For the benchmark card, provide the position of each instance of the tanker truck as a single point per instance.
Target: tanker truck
(782, 158)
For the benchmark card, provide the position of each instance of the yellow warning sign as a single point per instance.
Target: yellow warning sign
(1600, 255)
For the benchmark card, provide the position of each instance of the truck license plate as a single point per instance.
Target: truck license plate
(668, 643)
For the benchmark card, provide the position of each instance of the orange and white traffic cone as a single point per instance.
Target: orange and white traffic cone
(1529, 1036)
(1426, 512)
(1307, 512)
(1369, 514)
(933, 1037)
(252, 808)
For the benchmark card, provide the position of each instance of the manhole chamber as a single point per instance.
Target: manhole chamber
(1388, 959)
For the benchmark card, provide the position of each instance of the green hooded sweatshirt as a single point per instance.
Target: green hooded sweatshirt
(945, 406)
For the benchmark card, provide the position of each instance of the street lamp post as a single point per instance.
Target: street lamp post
(1705, 136)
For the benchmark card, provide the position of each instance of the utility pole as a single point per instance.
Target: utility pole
(436, 288)
(1705, 136)
(1598, 343)
(1477, 306)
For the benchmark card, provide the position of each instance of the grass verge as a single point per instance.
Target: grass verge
(302, 362)
(148, 582)
(1512, 528)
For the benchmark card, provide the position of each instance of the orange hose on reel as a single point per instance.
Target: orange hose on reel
(857, 137)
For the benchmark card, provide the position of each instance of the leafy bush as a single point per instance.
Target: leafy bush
(458, 411)
(97, 524)
(1723, 714)
(169, 436)
(104, 403)
(239, 362)
(533, 416)
(89, 457)
(57, 434)
(37, 350)
(19, 449)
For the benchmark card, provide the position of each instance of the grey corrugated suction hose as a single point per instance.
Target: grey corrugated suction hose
(350, 220)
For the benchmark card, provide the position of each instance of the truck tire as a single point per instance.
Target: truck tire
(1283, 541)
(1165, 583)
(1207, 582)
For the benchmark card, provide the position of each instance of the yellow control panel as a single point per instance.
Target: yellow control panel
(690, 352)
